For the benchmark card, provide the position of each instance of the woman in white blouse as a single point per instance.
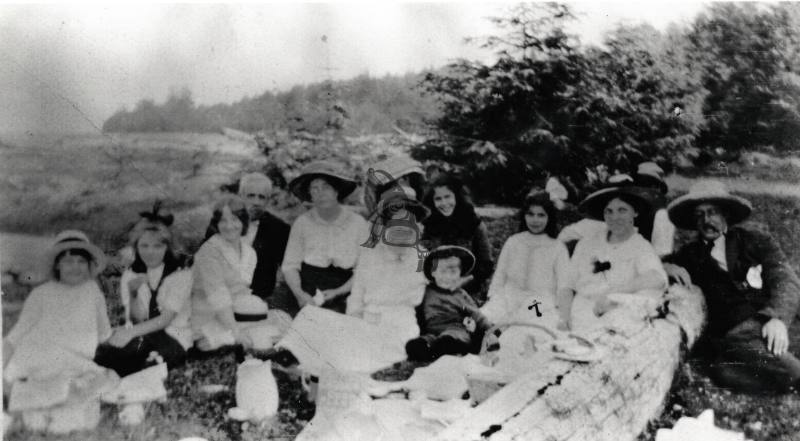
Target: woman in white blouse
(324, 242)
(223, 270)
(608, 268)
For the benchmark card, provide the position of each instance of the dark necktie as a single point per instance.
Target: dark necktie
(153, 310)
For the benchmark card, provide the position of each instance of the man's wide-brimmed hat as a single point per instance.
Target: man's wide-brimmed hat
(343, 184)
(709, 191)
(649, 174)
(74, 239)
(465, 255)
(619, 186)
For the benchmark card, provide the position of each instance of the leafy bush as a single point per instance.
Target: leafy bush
(549, 107)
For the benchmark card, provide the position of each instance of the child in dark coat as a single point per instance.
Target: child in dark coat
(451, 320)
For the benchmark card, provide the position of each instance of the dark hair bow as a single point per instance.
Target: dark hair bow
(156, 216)
(600, 266)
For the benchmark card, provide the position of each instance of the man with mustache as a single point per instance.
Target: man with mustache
(751, 292)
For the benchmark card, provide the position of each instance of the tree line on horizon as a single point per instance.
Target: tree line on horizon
(358, 106)
(550, 105)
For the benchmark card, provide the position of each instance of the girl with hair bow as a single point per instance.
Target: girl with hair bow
(155, 292)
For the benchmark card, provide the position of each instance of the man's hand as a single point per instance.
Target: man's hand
(678, 273)
(774, 331)
(469, 324)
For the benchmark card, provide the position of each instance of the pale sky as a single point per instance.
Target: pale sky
(69, 67)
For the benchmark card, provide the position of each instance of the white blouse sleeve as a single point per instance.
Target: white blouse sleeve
(663, 236)
(293, 256)
(647, 260)
(355, 301)
(176, 291)
(209, 272)
(103, 324)
(125, 294)
(500, 272)
(561, 266)
(31, 315)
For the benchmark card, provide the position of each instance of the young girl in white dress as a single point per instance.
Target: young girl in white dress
(48, 355)
(531, 268)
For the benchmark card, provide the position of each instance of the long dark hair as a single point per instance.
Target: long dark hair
(464, 219)
(539, 198)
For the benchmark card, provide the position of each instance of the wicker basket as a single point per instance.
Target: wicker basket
(484, 385)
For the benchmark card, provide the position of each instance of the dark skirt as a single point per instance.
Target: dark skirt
(133, 357)
(313, 278)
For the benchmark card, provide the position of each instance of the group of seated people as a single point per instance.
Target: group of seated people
(420, 265)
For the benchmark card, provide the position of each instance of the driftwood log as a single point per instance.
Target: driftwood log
(611, 399)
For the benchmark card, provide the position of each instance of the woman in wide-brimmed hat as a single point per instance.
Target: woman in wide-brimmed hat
(324, 242)
(617, 260)
(62, 321)
(654, 226)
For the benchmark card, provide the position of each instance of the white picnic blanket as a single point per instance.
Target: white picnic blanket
(322, 339)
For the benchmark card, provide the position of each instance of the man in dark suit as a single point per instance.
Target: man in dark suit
(751, 292)
(267, 233)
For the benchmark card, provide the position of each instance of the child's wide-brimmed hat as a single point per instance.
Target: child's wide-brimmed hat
(681, 210)
(464, 255)
(74, 239)
(620, 185)
(249, 308)
(343, 184)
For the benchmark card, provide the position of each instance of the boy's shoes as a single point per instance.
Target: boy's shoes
(418, 349)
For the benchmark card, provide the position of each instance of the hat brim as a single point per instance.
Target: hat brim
(681, 210)
(343, 185)
(594, 204)
(645, 180)
(463, 254)
(99, 257)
